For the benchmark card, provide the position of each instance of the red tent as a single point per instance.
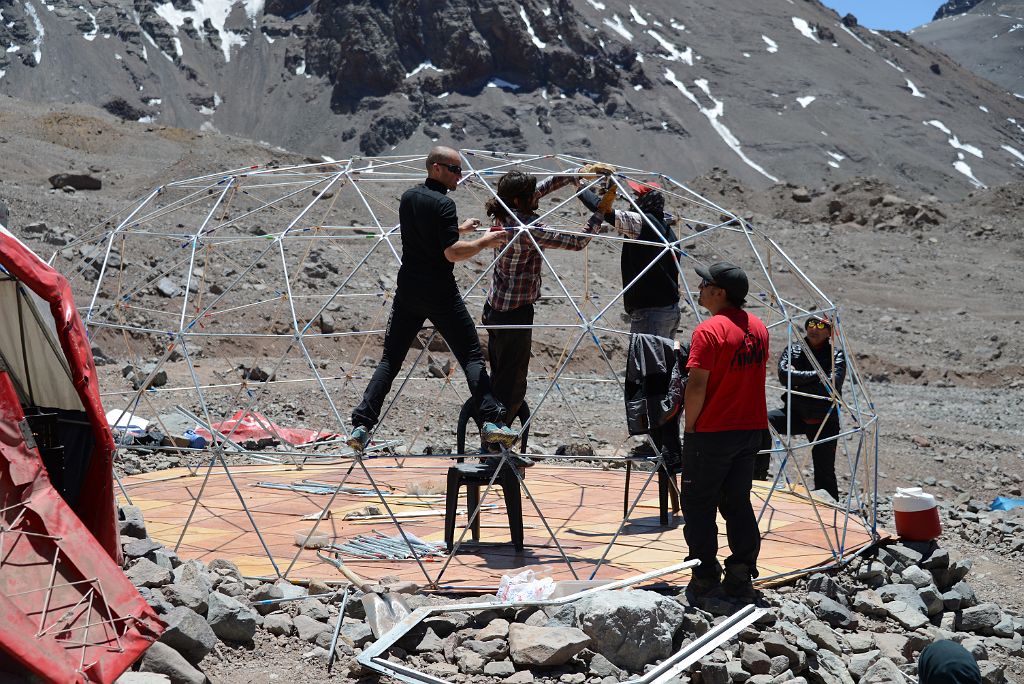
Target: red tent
(69, 613)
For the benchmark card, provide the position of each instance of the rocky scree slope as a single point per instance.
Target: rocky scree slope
(986, 38)
(770, 90)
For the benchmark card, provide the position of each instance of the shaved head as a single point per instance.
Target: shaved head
(442, 154)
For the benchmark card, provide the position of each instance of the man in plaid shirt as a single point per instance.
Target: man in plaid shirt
(517, 276)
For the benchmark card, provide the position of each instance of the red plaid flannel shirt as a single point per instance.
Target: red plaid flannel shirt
(517, 273)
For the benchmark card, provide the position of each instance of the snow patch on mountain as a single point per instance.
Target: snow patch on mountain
(713, 115)
(803, 27)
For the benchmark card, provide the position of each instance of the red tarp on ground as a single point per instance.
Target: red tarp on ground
(255, 426)
(69, 614)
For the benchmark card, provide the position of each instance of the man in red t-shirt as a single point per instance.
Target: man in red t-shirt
(725, 418)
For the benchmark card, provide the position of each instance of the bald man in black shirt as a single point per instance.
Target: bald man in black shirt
(427, 289)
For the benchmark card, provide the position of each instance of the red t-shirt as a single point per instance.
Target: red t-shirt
(733, 346)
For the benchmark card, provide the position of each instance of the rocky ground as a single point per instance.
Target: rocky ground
(866, 623)
(931, 302)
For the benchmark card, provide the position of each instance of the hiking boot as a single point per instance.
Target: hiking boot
(496, 433)
(700, 588)
(358, 439)
(738, 585)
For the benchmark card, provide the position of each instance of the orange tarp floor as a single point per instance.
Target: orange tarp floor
(583, 507)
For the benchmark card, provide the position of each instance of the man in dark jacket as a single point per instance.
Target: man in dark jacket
(809, 408)
(427, 290)
(652, 295)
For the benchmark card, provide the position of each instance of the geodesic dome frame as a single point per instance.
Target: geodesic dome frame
(292, 269)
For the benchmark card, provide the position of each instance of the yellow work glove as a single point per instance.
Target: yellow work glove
(605, 205)
(596, 169)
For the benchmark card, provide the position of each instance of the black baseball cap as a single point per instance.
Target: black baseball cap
(727, 276)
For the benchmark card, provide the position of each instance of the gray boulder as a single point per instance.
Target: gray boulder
(602, 667)
(313, 608)
(630, 628)
(825, 584)
(191, 595)
(898, 556)
(137, 548)
(225, 568)
(714, 673)
(938, 560)
(859, 663)
(278, 624)
(430, 643)
(883, 671)
(796, 634)
(146, 573)
(358, 633)
(194, 572)
(895, 647)
(188, 634)
(230, 619)
(495, 649)
(469, 662)
(545, 646)
(992, 672)
(77, 181)
(266, 592)
(131, 523)
(832, 612)
(828, 668)
(932, 599)
(289, 590)
(906, 593)
(869, 602)
(967, 596)
(776, 645)
(979, 619)
(907, 617)
(1004, 628)
(754, 659)
(825, 638)
(500, 668)
(307, 628)
(162, 659)
(780, 667)
(495, 629)
(142, 678)
(916, 576)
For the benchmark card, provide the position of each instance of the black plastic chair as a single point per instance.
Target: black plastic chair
(469, 411)
(666, 487)
(474, 476)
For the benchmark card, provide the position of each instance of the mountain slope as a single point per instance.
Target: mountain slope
(988, 39)
(772, 90)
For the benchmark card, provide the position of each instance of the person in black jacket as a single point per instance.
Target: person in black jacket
(947, 662)
(427, 290)
(809, 409)
(652, 295)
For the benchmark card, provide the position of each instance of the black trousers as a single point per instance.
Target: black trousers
(453, 322)
(823, 455)
(717, 472)
(509, 354)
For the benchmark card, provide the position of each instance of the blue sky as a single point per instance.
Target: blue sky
(894, 15)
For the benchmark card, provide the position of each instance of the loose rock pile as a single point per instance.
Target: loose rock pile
(1000, 531)
(863, 625)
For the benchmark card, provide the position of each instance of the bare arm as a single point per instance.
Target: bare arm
(467, 249)
(693, 398)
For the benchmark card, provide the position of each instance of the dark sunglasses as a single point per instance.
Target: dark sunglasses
(454, 168)
(818, 325)
(706, 283)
